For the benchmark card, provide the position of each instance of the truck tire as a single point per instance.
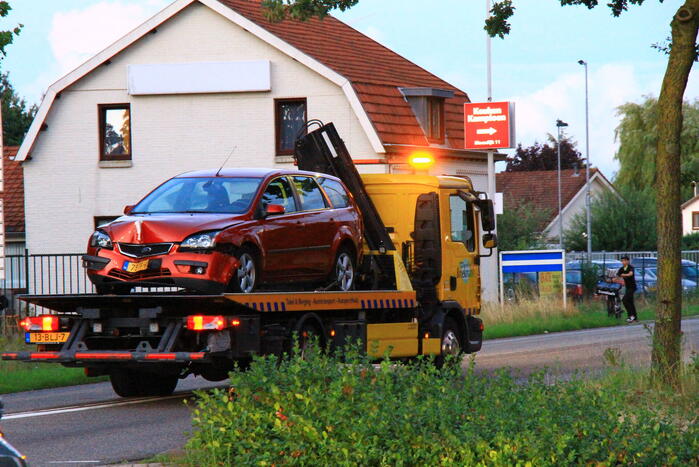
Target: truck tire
(130, 383)
(451, 341)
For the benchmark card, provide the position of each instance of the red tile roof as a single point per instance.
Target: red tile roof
(540, 189)
(13, 194)
(375, 72)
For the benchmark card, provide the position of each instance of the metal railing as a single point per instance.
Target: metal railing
(45, 274)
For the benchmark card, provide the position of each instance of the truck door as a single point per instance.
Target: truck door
(461, 278)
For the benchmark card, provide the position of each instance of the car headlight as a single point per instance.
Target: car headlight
(200, 241)
(101, 239)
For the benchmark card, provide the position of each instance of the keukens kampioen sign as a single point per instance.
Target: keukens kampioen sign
(489, 125)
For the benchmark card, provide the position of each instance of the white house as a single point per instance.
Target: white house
(690, 213)
(207, 79)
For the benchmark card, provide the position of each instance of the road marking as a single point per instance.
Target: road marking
(62, 410)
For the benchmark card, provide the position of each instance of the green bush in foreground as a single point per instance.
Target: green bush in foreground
(325, 411)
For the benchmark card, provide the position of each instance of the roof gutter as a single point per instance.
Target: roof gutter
(394, 149)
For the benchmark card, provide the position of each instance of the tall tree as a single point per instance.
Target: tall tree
(682, 52)
(545, 156)
(637, 134)
(16, 116)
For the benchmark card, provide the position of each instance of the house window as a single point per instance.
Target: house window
(435, 125)
(695, 220)
(290, 122)
(429, 112)
(115, 132)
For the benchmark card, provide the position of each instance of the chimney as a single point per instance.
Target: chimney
(694, 188)
(576, 170)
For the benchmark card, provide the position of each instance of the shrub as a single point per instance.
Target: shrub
(325, 410)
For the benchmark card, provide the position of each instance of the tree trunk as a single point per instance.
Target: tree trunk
(666, 353)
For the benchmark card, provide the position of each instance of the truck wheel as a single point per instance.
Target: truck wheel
(344, 270)
(450, 343)
(130, 383)
(245, 277)
(125, 383)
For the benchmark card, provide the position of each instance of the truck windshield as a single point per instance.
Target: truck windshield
(200, 195)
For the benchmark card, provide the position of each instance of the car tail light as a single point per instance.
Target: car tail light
(40, 323)
(205, 323)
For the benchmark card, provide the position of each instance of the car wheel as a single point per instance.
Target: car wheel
(245, 277)
(344, 272)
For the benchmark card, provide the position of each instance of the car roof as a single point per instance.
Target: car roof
(248, 172)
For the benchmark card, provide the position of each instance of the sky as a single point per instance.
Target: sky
(535, 66)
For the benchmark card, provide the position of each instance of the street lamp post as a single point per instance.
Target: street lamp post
(587, 168)
(559, 125)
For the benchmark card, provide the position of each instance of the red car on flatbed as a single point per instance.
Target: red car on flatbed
(232, 230)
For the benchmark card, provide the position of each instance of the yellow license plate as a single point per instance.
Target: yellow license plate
(48, 337)
(130, 266)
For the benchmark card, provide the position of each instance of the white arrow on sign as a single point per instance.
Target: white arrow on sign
(486, 131)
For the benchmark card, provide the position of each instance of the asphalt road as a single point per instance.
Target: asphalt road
(89, 425)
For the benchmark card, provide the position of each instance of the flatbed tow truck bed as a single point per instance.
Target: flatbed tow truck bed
(172, 310)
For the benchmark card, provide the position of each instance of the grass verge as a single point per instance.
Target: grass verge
(541, 317)
(18, 376)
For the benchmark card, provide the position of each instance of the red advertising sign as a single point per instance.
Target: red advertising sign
(489, 125)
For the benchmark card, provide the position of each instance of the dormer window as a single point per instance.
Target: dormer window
(428, 107)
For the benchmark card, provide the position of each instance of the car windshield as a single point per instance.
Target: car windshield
(222, 195)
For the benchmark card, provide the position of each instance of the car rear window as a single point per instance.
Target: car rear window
(336, 192)
(311, 197)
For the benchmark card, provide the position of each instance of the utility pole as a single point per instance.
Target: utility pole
(489, 72)
(588, 199)
(560, 124)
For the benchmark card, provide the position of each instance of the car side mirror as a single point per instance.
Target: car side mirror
(128, 208)
(490, 240)
(274, 210)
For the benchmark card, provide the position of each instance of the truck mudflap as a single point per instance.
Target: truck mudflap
(106, 356)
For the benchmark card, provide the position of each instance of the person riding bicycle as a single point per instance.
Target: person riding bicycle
(627, 274)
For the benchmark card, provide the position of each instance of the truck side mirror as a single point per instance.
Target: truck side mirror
(490, 240)
(128, 208)
(487, 214)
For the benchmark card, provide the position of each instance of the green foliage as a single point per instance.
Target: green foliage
(502, 10)
(279, 10)
(7, 37)
(520, 226)
(619, 223)
(16, 116)
(637, 134)
(325, 410)
(691, 241)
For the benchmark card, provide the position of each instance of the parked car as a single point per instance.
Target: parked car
(687, 285)
(231, 230)
(600, 265)
(574, 285)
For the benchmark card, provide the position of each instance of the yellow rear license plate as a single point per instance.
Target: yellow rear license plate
(130, 266)
(48, 337)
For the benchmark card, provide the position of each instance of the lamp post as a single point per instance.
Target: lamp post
(587, 168)
(559, 125)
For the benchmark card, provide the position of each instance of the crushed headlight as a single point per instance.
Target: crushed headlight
(101, 240)
(200, 241)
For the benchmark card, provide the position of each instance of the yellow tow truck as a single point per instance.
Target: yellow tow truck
(418, 293)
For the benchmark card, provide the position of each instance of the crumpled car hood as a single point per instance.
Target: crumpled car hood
(157, 228)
